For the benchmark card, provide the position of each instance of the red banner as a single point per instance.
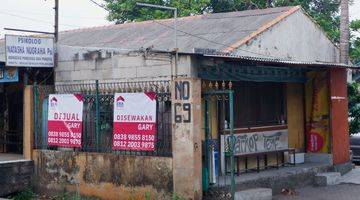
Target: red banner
(134, 121)
(65, 120)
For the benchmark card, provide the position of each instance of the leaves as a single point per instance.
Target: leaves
(127, 10)
(354, 107)
(355, 41)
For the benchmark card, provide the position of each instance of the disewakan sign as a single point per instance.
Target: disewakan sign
(134, 121)
(23, 51)
(247, 143)
(65, 120)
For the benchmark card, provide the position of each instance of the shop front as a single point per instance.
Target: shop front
(276, 116)
(24, 61)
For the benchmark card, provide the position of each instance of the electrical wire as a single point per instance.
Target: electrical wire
(46, 14)
(99, 5)
(193, 35)
(211, 41)
(35, 20)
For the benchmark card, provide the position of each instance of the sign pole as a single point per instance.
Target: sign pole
(232, 144)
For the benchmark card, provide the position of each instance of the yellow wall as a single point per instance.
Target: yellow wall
(28, 131)
(295, 115)
(213, 121)
(213, 118)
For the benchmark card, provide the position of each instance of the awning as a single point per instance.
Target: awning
(233, 71)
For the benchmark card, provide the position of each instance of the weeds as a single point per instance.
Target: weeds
(26, 194)
(177, 197)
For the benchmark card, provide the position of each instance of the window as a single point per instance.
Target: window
(259, 104)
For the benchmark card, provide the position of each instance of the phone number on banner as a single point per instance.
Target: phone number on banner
(134, 141)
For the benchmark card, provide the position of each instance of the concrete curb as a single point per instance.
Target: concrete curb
(254, 194)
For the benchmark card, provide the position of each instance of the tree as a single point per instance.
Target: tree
(355, 41)
(354, 107)
(127, 11)
(344, 32)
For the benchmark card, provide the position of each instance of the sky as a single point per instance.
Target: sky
(39, 14)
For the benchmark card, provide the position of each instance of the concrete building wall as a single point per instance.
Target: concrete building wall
(108, 176)
(296, 37)
(84, 65)
(2, 50)
(15, 176)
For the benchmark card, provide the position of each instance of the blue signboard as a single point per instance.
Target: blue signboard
(8, 74)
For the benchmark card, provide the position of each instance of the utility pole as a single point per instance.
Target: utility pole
(56, 26)
(344, 32)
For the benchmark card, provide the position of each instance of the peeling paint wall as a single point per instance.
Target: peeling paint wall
(85, 65)
(297, 37)
(104, 175)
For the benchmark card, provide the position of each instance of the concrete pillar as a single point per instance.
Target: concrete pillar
(339, 116)
(186, 137)
(28, 129)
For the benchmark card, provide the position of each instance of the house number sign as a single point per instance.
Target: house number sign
(182, 106)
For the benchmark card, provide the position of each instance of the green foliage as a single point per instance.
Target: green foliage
(354, 107)
(177, 197)
(126, 10)
(355, 41)
(26, 194)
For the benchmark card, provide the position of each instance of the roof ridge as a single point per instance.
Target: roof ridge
(126, 24)
(262, 29)
(206, 15)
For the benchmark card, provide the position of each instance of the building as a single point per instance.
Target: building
(256, 73)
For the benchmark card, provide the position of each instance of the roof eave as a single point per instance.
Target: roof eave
(279, 62)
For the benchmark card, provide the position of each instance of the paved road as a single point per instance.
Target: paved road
(347, 189)
(335, 192)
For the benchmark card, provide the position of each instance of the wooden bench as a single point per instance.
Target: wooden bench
(264, 155)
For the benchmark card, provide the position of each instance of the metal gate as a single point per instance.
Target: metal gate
(216, 175)
(98, 115)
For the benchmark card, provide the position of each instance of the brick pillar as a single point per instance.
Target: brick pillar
(28, 129)
(186, 137)
(339, 116)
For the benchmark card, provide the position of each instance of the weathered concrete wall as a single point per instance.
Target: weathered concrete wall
(297, 37)
(84, 65)
(15, 176)
(107, 175)
(186, 140)
(2, 50)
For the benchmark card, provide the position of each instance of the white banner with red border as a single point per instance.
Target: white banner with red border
(134, 121)
(65, 120)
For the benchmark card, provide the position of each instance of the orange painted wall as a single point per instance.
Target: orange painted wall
(339, 116)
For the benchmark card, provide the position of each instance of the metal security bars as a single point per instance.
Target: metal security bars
(98, 115)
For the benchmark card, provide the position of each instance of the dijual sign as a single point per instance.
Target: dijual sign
(134, 121)
(65, 120)
(23, 51)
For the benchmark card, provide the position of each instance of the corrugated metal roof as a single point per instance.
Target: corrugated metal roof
(216, 31)
(280, 61)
